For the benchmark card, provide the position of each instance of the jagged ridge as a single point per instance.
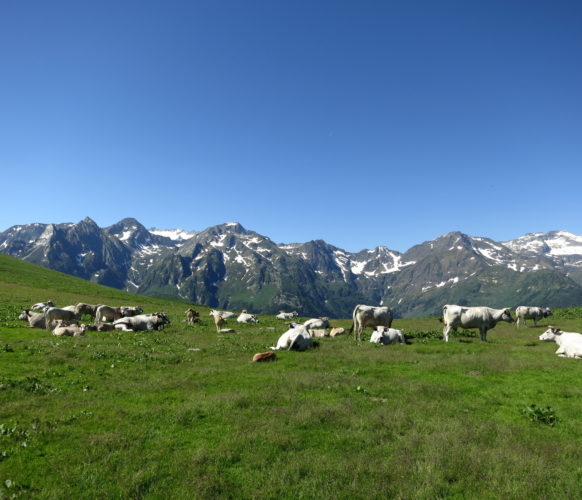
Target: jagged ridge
(232, 267)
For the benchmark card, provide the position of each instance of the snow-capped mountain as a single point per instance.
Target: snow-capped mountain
(232, 267)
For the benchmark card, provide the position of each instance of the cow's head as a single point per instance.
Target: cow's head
(550, 334)
(547, 312)
(24, 315)
(506, 316)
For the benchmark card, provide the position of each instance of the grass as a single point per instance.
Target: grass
(183, 413)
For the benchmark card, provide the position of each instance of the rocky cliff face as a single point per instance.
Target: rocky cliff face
(229, 266)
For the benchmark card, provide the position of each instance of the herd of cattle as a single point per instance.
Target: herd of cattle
(65, 322)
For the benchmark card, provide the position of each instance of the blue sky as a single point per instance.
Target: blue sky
(361, 123)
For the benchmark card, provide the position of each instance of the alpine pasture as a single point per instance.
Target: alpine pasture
(183, 413)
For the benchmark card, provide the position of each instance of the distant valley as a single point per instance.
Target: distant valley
(228, 266)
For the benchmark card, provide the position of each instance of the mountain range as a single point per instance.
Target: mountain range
(228, 266)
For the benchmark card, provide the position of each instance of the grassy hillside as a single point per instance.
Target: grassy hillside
(183, 413)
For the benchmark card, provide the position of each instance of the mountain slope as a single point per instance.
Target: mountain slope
(228, 266)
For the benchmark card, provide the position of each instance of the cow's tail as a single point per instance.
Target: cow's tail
(444, 313)
(354, 320)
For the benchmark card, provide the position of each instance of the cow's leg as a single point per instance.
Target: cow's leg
(446, 331)
(535, 321)
(484, 334)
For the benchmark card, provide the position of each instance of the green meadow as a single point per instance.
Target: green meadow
(183, 413)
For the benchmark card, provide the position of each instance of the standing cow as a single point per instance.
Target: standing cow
(524, 313)
(364, 316)
(483, 318)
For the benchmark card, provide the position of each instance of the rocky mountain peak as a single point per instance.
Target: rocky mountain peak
(232, 267)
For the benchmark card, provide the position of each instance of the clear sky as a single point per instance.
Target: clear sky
(362, 123)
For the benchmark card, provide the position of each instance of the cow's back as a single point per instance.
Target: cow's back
(467, 317)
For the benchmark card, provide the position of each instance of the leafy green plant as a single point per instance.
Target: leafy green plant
(541, 414)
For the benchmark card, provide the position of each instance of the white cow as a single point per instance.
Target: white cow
(364, 316)
(109, 313)
(385, 336)
(70, 331)
(287, 315)
(245, 317)
(536, 313)
(35, 319)
(148, 322)
(224, 314)
(41, 306)
(297, 338)
(570, 342)
(52, 314)
(316, 323)
(483, 318)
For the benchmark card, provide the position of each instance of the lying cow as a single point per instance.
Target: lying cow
(245, 317)
(369, 316)
(316, 323)
(385, 336)
(297, 338)
(41, 306)
(483, 318)
(334, 332)
(35, 319)
(70, 331)
(287, 315)
(110, 314)
(149, 322)
(570, 342)
(224, 314)
(524, 313)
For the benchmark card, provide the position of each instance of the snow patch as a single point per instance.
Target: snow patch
(174, 234)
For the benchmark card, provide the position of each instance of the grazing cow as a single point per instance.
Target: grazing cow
(89, 309)
(287, 315)
(483, 318)
(369, 316)
(385, 336)
(297, 338)
(41, 306)
(35, 319)
(70, 331)
(192, 316)
(314, 323)
(245, 317)
(224, 314)
(110, 314)
(149, 322)
(570, 342)
(54, 313)
(536, 313)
